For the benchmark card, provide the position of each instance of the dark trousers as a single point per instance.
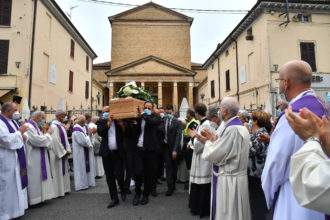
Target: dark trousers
(144, 170)
(171, 167)
(128, 163)
(257, 199)
(113, 168)
(187, 153)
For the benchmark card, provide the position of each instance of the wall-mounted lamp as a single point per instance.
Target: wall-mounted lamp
(275, 67)
(18, 63)
(202, 95)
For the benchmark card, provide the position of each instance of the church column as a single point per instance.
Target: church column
(160, 94)
(111, 90)
(142, 85)
(175, 96)
(191, 94)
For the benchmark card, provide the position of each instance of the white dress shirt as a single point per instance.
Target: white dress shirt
(112, 143)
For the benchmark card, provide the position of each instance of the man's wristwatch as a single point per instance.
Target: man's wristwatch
(314, 139)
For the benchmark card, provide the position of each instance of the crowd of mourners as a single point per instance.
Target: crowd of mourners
(240, 165)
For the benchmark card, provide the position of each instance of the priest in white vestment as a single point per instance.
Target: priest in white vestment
(309, 171)
(294, 86)
(229, 153)
(40, 186)
(13, 197)
(96, 142)
(59, 156)
(83, 160)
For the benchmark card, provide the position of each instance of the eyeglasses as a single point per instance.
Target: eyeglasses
(279, 79)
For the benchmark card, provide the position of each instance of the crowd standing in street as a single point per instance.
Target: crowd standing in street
(241, 165)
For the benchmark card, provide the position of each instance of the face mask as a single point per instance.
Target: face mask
(219, 115)
(16, 115)
(162, 114)
(282, 95)
(65, 118)
(169, 116)
(250, 124)
(147, 111)
(105, 115)
(42, 123)
(278, 112)
(187, 117)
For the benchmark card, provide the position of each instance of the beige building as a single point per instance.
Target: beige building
(151, 45)
(43, 57)
(247, 62)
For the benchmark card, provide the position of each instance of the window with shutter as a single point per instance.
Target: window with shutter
(5, 12)
(87, 90)
(227, 80)
(71, 81)
(72, 49)
(307, 51)
(87, 63)
(212, 89)
(4, 48)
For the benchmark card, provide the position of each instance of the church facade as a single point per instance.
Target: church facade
(151, 46)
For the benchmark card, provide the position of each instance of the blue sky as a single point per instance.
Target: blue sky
(207, 29)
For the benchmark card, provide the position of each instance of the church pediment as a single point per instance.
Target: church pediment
(150, 12)
(150, 65)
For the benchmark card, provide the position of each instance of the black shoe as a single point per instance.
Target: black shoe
(113, 203)
(144, 200)
(123, 195)
(136, 199)
(154, 193)
(169, 192)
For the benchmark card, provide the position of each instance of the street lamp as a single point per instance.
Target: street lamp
(202, 96)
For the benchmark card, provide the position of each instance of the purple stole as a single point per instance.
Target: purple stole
(313, 103)
(42, 153)
(20, 154)
(64, 145)
(316, 105)
(85, 149)
(235, 121)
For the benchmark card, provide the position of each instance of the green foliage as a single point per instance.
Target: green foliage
(135, 92)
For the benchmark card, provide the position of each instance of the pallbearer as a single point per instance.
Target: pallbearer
(83, 159)
(40, 179)
(13, 173)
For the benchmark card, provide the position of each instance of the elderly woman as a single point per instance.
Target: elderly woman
(257, 156)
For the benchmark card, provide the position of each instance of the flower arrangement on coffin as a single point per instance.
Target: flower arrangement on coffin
(132, 90)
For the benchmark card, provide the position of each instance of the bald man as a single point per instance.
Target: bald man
(294, 86)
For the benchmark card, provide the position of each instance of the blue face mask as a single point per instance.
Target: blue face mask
(105, 115)
(250, 124)
(169, 116)
(147, 111)
(278, 112)
(42, 123)
(219, 115)
(162, 114)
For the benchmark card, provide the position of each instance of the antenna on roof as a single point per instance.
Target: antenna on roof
(71, 8)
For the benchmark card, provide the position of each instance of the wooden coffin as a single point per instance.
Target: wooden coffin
(123, 108)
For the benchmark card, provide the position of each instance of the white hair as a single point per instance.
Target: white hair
(59, 112)
(80, 119)
(231, 104)
(36, 114)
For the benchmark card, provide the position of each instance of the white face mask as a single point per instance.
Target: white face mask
(16, 115)
(282, 95)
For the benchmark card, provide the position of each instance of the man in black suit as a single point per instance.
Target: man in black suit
(171, 147)
(112, 154)
(145, 152)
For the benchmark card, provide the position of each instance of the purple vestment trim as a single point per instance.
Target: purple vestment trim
(20, 154)
(64, 145)
(235, 121)
(42, 153)
(85, 149)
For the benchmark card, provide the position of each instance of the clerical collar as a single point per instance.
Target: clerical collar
(310, 91)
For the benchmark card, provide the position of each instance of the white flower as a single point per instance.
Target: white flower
(134, 91)
(127, 91)
(131, 84)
